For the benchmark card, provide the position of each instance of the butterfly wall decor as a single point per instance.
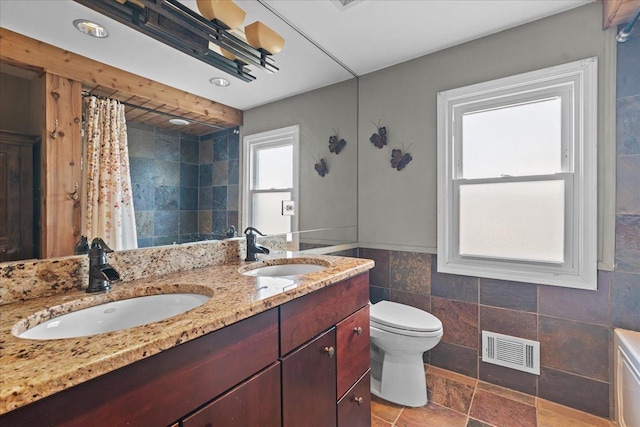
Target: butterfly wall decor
(336, 145)
(321, 168)
(400, 158)
(379, 139)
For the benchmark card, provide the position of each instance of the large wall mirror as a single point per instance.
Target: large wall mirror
(188, 186)
(327, 193)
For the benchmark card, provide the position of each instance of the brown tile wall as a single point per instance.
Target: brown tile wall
(574, 326)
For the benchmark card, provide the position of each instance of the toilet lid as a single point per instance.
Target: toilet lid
(404, 317)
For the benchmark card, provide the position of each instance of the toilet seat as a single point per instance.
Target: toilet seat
(402, 319)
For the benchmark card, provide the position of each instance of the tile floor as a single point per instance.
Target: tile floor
(459, 401)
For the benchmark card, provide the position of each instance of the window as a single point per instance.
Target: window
(517, 177)
(271, 180)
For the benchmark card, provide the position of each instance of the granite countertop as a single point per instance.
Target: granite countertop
(31, 370)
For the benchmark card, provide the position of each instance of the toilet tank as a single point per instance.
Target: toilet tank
(627, 377)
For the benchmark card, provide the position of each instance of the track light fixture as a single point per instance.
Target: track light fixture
(176, 25)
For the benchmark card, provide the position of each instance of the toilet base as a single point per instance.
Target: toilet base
(398, 378)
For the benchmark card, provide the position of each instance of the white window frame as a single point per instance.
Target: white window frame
(273, 138)
(576, 82)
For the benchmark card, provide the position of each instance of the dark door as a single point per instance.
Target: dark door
(16, 197)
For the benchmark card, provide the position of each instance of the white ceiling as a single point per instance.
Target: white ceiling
(365, 36)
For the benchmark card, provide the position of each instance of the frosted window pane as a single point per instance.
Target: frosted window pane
(516, 140)
(517, 220)
(274, 168)
(267, 217)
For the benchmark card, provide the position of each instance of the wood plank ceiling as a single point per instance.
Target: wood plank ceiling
(143, 110)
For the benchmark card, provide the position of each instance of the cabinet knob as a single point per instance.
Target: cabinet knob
(358, 400)
(357, 330)
(330, 351)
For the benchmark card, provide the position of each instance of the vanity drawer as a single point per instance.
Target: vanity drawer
(354, 409)
(256, 402)
(352, 349)
(308, 316)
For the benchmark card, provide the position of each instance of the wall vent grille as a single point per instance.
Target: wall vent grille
(511, 352)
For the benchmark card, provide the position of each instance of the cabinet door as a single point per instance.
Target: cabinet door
(352, 348)
(309, 384)
(256, 402)
(307, 316)
(354, 409)
(16, 199)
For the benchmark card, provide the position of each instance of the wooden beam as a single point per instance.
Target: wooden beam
(24, 51)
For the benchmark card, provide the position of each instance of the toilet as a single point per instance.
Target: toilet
(400, 334)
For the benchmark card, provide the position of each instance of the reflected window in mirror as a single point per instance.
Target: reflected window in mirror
(270, 190)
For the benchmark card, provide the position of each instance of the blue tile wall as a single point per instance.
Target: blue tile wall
(234, 172)
(167, 145)
(167, 198)
(189, 175)
(180, 191)
(625, 282)
(219, 176)
(221, 147)
(189, 149)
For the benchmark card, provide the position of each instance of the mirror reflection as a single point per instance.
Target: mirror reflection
(188, 187)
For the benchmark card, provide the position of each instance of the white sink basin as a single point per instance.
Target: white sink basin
(284, 270)
(114, 316)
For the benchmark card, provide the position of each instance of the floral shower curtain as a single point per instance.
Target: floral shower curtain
(109, 204)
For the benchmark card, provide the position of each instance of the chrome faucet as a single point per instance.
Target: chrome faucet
(252, 248)
(101, 273)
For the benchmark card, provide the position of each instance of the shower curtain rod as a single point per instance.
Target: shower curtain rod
(86, 94)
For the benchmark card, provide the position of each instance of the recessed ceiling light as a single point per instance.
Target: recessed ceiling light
(178, 122)
(91, 28)
(219, 81)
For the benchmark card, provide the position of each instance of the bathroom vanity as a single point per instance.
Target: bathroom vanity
(296, 358)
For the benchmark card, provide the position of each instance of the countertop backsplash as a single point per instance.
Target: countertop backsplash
(23, 280)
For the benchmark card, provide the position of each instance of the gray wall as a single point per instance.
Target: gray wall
(329, 201)
(398, 209)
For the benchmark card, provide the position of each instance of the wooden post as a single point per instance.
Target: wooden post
(61, 163)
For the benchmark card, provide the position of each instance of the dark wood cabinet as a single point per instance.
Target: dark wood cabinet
(256, 402)
(238, 375)
(308, 316)
(161, 389)
(309, 383)
(352, 349)
(354, 408)
(332, 325)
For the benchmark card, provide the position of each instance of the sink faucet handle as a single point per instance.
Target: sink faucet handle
(98, 243)
(251, 230)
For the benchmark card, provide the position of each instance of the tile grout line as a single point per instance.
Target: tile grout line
(398, 417)
(475, 388)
